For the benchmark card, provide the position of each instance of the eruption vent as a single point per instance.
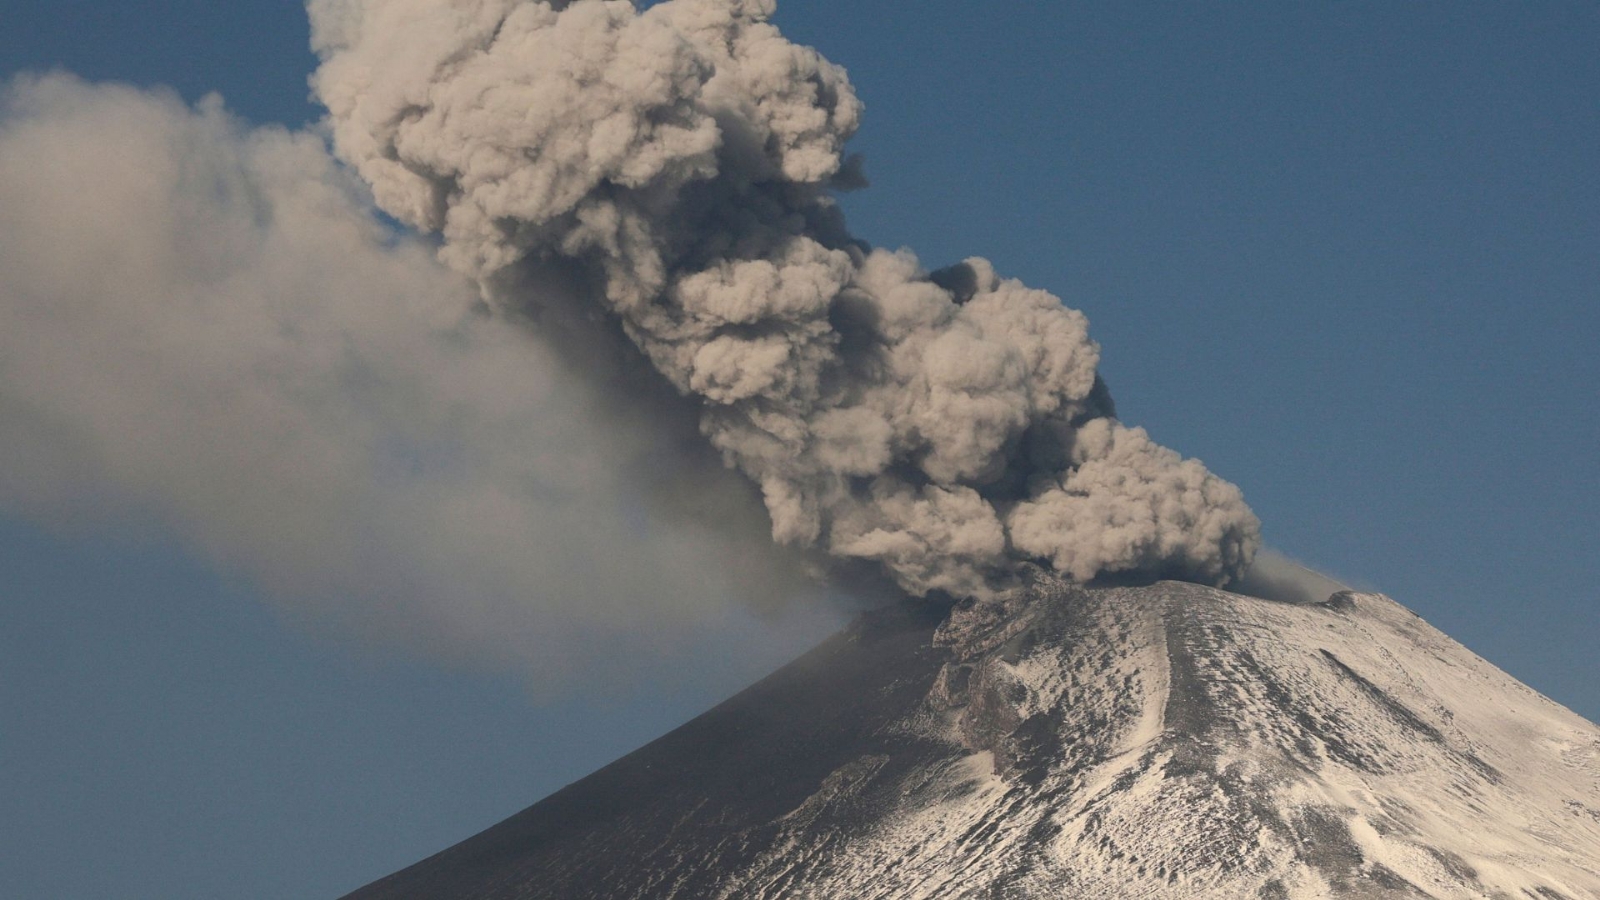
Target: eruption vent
(677, 164)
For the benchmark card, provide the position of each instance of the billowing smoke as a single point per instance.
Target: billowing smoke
(673, 169)
(206, 330)
(206, 335)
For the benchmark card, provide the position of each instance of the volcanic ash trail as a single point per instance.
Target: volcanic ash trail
(679, 164)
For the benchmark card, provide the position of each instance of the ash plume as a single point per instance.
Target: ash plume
(669, 173)
(1274, 576)
(206, 337)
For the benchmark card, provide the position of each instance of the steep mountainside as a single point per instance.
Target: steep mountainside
(1169, 741)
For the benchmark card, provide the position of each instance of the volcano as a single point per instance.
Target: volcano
(1160, 741)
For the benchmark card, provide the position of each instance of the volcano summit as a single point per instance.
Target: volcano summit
(1167, 741)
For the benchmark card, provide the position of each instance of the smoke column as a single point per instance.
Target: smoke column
(669, 174)
(666, 345)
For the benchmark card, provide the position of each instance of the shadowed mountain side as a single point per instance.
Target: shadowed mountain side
(1165, 741)
(672, 818)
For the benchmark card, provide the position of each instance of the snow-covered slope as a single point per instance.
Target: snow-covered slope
(1169, 741)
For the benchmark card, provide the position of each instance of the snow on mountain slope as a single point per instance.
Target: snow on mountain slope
(1169, 741)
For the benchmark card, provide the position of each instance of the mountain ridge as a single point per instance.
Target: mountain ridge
(1163, 741)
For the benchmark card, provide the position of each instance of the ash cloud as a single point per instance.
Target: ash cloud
(655, 383)
(205, 331)
(1274, 576)
(678, 164)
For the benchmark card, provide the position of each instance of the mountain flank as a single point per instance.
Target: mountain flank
(1162, 741)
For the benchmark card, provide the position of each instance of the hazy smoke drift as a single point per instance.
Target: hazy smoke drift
(680, 160)
(1274, 576)
(202, 329)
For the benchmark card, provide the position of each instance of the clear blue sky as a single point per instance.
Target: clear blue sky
(1348, 254)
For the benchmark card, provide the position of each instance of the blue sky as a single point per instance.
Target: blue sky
(1347, 254)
